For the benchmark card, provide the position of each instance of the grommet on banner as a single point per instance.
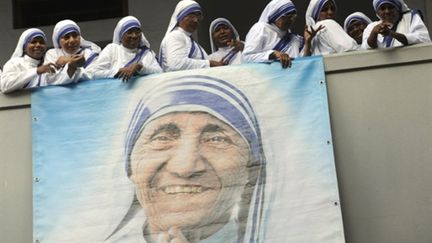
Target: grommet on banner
(35, 118)
(36, 179)
(328, 142)
(336, 203)
(37, 241)
(322, 82)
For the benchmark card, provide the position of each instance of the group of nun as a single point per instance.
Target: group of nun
(270, 39)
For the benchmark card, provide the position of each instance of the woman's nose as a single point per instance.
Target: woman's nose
(187, 161)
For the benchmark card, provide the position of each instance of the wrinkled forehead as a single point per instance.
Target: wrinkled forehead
(183, 116)
(196, 119)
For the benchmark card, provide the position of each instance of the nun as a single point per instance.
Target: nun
(128, 55)
(355, 24)
(69, 43)
(323, 35)
(25, 68)
(398, 26)
(225, 42)
(271, 39)
(178, 50)
(193, 151)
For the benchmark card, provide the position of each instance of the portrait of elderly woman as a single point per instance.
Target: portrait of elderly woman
(194, 154)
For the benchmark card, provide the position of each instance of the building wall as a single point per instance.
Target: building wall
(382, 135)
(154, 17)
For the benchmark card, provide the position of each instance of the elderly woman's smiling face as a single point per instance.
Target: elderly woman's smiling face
(132, 38)
(191, 22)
(388, 13)
(189, 169)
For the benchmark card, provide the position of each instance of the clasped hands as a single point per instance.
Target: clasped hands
(73, 62)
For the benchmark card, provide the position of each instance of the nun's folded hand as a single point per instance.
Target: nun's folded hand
(217, 63)
(77, 60)
(284, 58)
(238, 45)
(382, 28)
(62, 61)
(126, 73)
(46, 68)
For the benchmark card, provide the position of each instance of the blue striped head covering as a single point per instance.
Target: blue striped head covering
(221, 99)
(63, 28)
(130, 24)
(397, 4)
(193, 8)
(283, 10)
(26, 37)
(276, 9)
(32, 35)
(182, 9)
(215, 24)
(218, 22)
(125, 24)
(357, 16)
(318, 7)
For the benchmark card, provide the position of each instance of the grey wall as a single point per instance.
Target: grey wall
(382, 129)
(382, 134)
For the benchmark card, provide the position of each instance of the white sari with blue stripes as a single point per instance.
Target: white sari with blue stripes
(178, 51)
(262, 40)
(411, 25)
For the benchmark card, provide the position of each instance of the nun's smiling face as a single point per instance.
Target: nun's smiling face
(222, 35)
(189, 169)
(36, 48)
(132, 38)
(286, 21)
(191, 22)
(355, 30)
(388, 13)
(328, 11)
(70, 42)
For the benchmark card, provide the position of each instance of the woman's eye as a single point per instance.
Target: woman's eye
(218, 140)
(162, 138)
(162, 142)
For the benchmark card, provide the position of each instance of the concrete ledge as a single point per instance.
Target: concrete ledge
(366, 59)
(15, 100)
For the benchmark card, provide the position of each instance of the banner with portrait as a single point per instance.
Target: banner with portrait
(232, 154)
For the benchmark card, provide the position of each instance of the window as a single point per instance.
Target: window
(30, 13)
